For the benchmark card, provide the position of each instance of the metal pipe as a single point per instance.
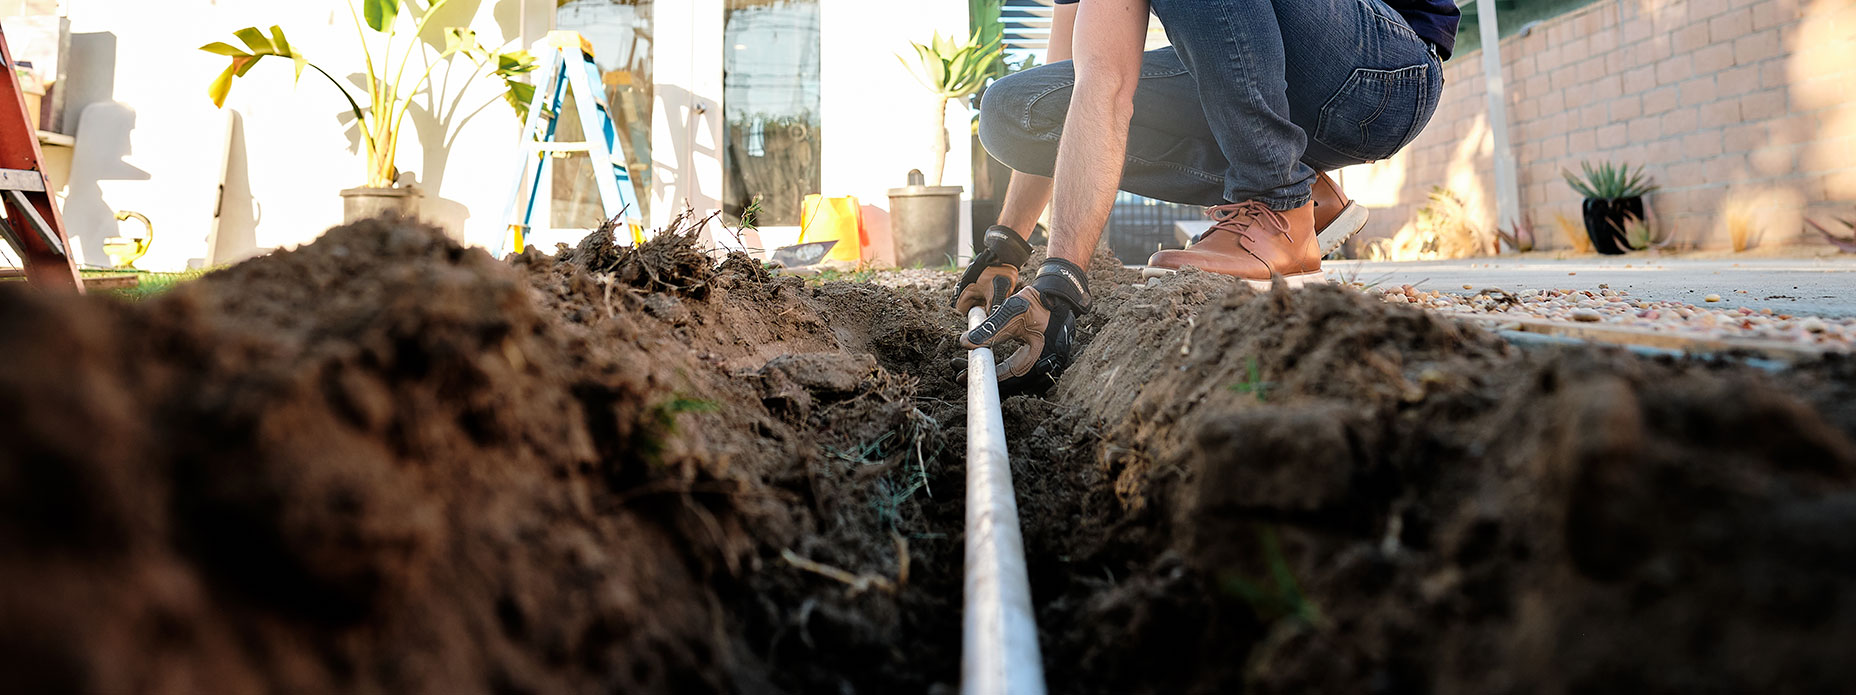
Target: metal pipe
(999, 634)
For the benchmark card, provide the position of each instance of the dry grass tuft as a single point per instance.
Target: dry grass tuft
(1574, 233)
(1742, 230)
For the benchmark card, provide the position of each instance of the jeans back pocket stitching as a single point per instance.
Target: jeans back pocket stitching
(1414, 73)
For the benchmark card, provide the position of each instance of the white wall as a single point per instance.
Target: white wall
(686, 121)
(292, 153)
(877, 118)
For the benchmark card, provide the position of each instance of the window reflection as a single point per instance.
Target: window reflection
(620, 31)
(770, 89)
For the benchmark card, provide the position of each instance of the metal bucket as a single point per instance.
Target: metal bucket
(924, 223)
(368, 203)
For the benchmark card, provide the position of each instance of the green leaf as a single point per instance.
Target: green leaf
(224, 49)
(515, 63)
(937, 74)
(959, 67)
(279, 42)
(256, 40)
(240, 66)
(455, 39)
(222, 87)
(380, 14)
(954, 70)
(519, 96)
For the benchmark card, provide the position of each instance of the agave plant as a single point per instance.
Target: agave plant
(1844, 245)
(1519, 237)
(952, 71)
(1607, 181)
(389, 92)
(1640, 235)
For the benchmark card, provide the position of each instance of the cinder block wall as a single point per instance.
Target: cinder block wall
(1738, 108)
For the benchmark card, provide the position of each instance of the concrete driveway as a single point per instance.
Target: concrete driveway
(1801, 286)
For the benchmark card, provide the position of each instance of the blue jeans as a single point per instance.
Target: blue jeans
(1252, 98)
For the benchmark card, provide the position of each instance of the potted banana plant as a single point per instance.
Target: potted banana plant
(925, 215)
(1613, 198)
(380, 109)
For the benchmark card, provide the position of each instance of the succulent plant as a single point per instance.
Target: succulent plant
(952, 70)
(1608, 181)
(1519, 237)
(1845, 245)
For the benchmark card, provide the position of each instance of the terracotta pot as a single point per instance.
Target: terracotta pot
(1605, 220)
(367, 203)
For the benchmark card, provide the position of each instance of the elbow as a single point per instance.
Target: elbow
(1115, 91)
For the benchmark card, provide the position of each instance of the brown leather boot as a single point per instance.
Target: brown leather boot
(1336, 218)
(1253, 243)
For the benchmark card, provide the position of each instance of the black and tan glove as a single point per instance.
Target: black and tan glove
(1043, 317)
(993, 274)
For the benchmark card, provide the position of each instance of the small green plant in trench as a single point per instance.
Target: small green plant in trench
(664, 415)
(1276, 596)
(1254, 383)
(904, 480)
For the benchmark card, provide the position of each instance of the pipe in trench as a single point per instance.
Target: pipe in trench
(999, 634)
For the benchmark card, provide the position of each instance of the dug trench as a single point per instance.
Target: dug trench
(385, 463)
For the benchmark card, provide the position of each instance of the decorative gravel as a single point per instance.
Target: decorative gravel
(1610, 307)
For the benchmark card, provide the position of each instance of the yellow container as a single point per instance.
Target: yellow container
(840, 219)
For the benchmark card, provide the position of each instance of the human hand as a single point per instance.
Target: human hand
(1043, 317)
(993, 274)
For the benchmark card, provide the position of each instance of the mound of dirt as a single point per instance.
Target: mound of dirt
(386, 463)
(1308, 492)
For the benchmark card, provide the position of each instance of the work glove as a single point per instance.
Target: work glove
(1042, 316)
(993, 274)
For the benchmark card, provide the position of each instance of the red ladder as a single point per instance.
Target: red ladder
(32, 225)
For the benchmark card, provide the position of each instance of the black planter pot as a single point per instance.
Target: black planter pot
(1605, 220)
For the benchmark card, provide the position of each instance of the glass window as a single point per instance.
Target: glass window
(620, 31)
(770, 93)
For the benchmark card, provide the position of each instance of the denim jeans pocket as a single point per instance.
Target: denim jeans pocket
(1377, 112)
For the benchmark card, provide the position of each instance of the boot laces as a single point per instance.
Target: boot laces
(1244, 219)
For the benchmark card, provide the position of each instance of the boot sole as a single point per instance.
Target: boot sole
(1351, 220)
(1296, 281)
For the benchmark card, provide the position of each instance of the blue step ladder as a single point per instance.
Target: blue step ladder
(566, 61)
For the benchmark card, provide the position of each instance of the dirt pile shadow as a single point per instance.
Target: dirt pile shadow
(1309, 492)
(382, 462)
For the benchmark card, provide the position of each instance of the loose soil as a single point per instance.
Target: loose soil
(385, 463)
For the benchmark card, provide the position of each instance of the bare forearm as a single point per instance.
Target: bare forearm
(1025, 199)
(1107, 43)
(1062, 33)
(1028, 194)
(1089, 158)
